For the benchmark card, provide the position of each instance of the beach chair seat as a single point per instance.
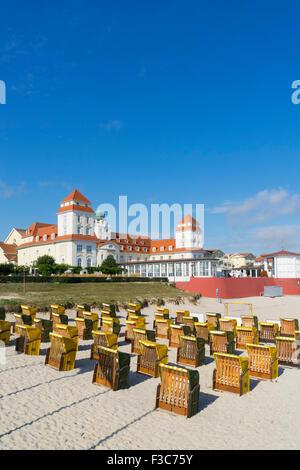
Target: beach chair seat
(231, 373)
(162, 328)
(138, 322)
(82, 308)
(160, 316)
(87, 324)
(190, 321)
(178, 391)
(68, 331)
(5, 332)
(45, 327)
(141, 334)
(111, 325)
(213, 319)
(179, 314)
(112, 369)
(288, 351)
(191, 351)
(250, 321)
(263, 361)
(21, 319)
(244, 335)
(62, 352)
(202, 330)
(175, 332)
(102, 338)
(228, 324)
(288, 326)
(268, 332)
(151, 355)
(29, 341)
(221, 341)
(59, 319)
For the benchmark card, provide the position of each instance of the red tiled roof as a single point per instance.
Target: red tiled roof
(76, 196)
(282, 253)
(75, 207)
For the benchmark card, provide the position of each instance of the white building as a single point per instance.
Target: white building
(282, 264)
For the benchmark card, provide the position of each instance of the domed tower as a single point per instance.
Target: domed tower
(75, 215)
(101, 227)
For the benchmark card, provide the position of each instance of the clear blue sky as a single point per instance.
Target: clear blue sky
(163, 101)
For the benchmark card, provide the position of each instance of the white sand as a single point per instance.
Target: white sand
(42, 408)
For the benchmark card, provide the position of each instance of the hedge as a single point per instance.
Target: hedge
(77, 280)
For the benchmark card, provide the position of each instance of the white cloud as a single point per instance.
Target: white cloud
(115, 124)
(7, 191)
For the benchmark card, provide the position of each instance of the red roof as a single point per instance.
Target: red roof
(282, 253)
(187, 221)
(76, 196)
(75, 207)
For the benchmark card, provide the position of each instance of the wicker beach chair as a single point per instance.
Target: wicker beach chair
(250, 321)
(268, 332)
(28, 310)
(162, 328)
(231, 373)
(82, 308)
(139, 322)
(288, 351)
(87, 324)
(111, 325)
(245, 335)
(68, 331)
(163, 310)
(160, 316)
(175, 332)
(213, 319)
(45, 327)
(21, 319)
(102, 338)
(228, 324)
(202, 330)
(263, 361)
(151, 356)
(190, 321)
(59, 319)
(221, 341)
(136, 307)
(57, 309)
(62, 352)
(5, 332)
(141, 334)
(179, 314)
(191, 351)
(112, 369)
(29, 341)
(178, 391)
(288, 326)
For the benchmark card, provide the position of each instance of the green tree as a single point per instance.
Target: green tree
(109, 266)
(46, 259)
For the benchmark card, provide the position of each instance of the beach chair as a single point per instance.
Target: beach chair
(29, 341)
(108, 313)
(82, 308)
(162, 328)
(139, 322)
(202, 330)
(59, 319)
(152, 354)
(62, 352)
(163, 310)
(288, 326)
(112, 369)
(110, 308)
(179, 314)
(87, 324)
(111, 325)
(213, 319)
(101, 338)
(263, 361)
(228, 324)
(45, 327)
(191, 351)
(175, 332)
(190, 321)
(136, 307)
(21, 319)
(268, 332)
(68, 331)
(28, 310)
(178, 391)
(5, 332)
(231, 373)
(141, 334)
(288, 351)
(245, 335)
(221, 341)
(250, 321)
(57, 309)
(160, 316)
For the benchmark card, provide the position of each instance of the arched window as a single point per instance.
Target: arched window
(79, 262)
(89, 262)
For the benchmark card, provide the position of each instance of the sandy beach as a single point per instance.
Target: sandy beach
(42, 408)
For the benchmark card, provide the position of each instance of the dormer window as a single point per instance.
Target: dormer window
(45, 237)
(162, 248)
(37, 239)
(153, 249)
(52, 236)
(170, 248)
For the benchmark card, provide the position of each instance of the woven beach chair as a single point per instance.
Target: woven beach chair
(202, 330)
(190, 321)
(110, 308)
(221, 341)
(162, 328)
(268, 332)
(82, 308)
(228, 324)
(136, 307)
(250, 321)
(45, 326)
(162, 310)
(87, 324)
(263, 361)
(101, 338)
(179, 314)
(21, 319)
(5, 332)
(151, 356)
(175, 332)
(108, 311)
(138, 322)
(28, 310)
(111, 325)
(245, 335)
(160, 316)
(288, 351)
(191, 351)
(178, 391)
(141, 334)
(59, 319)
(213, 319)
(62, 352)
(57, 309)
(112, 369)
(68, 332)
(231, 373)
(29, 341)
(288, 326)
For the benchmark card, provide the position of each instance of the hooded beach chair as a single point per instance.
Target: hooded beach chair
(160, 316)
(202, 330)
(87, 324)
(62, 352)
(28, 310)
(263, 361)
(111, 325)
(245, 335)
(190, 321)
(108, 311)
(151, 356)
(112, 369)
(68, 332)
(178, 391)
(136, 307)
(57, 309)
(45, 326)
(175, 332)
(102, 338)
(141, 334)
(268, 332)
(162, 328)
(137, 322)
(82, 308)
(5, 331)
(21, 319)
(191, 351)
(231, 373)
(59, 319)
(162, 310)
(179, 314)
(228, 324)
(221, 341)
(288, 351)
(29, 341)
(213, 319)
(288, 326)
(249, 321)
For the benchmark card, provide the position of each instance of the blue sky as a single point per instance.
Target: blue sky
(163, 101)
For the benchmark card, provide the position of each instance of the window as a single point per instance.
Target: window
(53, 236)
(89, 262)
(87, 231)
(79, 262)
(170, 248)
(89, 249)
(45, 237)
(78, 229)
(162, 248)
(79, 249)
(154, 249)
(37, 238)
